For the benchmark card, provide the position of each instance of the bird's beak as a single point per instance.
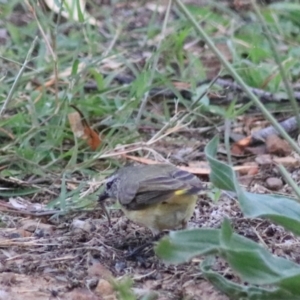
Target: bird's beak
(103, 196)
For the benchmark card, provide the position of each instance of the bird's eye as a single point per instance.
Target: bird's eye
(109, 184)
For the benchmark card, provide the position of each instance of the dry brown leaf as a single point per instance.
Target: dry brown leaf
(244, 142)
(252, 168)
(96, 269)
(32, 225)
(276, 145)
(47, 84)
(81, 129)
(194, 170)
(287, 161)
(237, 150)
(105, 290)
(76, 124)
(19, 203)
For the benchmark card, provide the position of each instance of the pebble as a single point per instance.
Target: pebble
(274, 183)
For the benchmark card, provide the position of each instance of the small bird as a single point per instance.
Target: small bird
(158, 197)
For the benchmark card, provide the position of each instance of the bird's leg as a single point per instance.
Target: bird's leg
(184, 224)
(156, 236)
(137, 250)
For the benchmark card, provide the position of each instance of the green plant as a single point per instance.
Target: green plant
(268, 276)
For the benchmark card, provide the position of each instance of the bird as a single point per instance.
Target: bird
(159, 196)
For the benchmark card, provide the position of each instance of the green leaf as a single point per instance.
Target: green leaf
(79, 11)
(18, 192)
(226, 233)
(75, 67)
(221, 175)
(98, 78)
(282, 210)
(181, 246)
(239, 292)
(140, 85)
(250, 260)
(284, 6)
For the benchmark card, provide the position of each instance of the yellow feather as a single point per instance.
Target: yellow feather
(174, 213)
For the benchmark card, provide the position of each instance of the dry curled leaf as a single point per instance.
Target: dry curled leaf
(276, 145)
(81, 129)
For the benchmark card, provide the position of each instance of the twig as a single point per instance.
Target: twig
(262, 94)
(289, 125)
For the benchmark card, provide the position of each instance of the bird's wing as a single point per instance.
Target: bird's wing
(174, 180)
(145, 199)
(157, 189)
(127, 191)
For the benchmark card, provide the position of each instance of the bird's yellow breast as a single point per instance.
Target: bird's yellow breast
(173, 213)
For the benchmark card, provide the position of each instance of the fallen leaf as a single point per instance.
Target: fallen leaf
(81, 129)
(76, 124)
(19, 203)
(252, 168)
(83, 225)
(244, 142)
(105, 289)
(32, 225)
(96, 269)
(276, 145)
(287, 161)
(237, 149)
(199, 171)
